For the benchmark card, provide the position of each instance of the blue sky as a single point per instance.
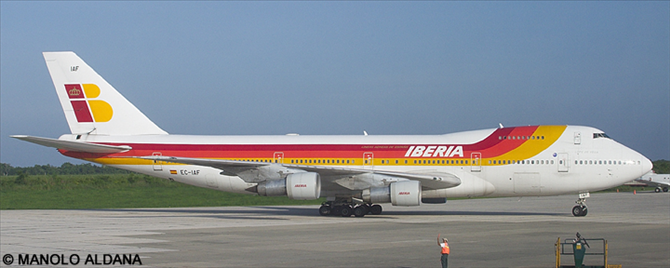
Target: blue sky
(343, 67)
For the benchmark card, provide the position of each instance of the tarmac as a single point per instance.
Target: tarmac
(493, 232)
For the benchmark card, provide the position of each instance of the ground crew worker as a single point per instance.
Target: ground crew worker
(445, 250)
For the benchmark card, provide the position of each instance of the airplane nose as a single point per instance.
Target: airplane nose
(647, 165)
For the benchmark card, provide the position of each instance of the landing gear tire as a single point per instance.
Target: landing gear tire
(576, 211)
(376, 209)
(336, 210)
(580, 211)
(324, 210)
(665, 189)
(657, 190)
(361, 211)
(346, 211)
(345, 208)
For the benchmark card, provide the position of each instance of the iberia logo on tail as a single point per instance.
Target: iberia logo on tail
(86, 108)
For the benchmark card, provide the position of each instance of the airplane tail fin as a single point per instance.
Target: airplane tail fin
(91, 105)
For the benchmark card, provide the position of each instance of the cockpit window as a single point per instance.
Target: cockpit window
(600, 135)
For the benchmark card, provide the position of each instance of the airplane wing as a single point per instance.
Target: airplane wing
(329, 174)
(75, 146)
(654, 183)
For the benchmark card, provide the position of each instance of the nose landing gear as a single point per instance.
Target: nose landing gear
(580, 210)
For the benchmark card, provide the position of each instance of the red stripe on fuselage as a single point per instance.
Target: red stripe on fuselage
(491, 146)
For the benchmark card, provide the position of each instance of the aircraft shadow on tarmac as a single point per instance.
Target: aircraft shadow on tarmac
(270, 213)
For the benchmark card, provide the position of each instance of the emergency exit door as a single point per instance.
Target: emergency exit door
(476, 160)
(278, 157)
(368, 160)
(158, 165)
(563, 164)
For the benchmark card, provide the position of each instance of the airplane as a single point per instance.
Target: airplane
(660, 181)
(355, 173)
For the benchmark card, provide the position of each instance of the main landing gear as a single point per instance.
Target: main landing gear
(580, 210)
(346, 209)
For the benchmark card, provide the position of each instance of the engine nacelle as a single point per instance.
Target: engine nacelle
(401, 193)
(303, 186)
(298, 186)
(271, 188)
(406, 193)
(377, 195)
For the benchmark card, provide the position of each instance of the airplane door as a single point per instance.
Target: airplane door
(476, 159)
(578, 138)
(368, 160)
(278, 157)
(563, 165)
(158, 165)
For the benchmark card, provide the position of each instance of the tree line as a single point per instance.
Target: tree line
(64, 169)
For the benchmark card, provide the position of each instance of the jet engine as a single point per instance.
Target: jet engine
(401, 193)
(298, 186)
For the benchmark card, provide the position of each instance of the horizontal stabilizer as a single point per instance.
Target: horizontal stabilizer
(76, 146)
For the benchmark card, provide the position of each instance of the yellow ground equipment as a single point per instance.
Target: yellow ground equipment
(577, 248)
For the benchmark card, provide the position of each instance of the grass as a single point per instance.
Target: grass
(118, 191)
(132, 191)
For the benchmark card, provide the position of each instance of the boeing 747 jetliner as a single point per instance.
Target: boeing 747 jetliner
(354, 173)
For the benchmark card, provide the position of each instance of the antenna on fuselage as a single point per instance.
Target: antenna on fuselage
(500, 124)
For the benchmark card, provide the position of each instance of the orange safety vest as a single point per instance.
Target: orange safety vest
(445, 249)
